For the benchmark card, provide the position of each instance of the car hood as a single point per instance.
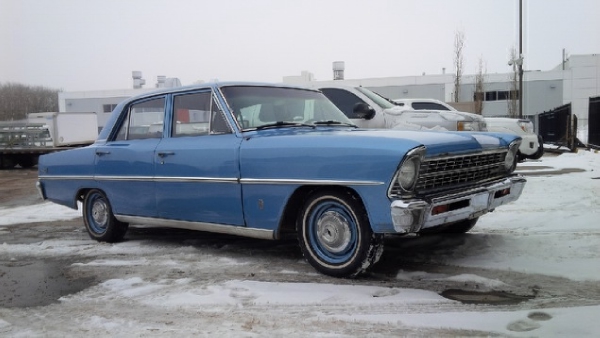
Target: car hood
(451, 115)
(437, 142)
(347, 154)
(471, 116)
(443, 142)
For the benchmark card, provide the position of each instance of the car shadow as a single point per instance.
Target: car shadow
(287, 248)
(429, 252)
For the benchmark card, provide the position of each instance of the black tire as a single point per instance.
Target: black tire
(99, 219)
(540, 152)
(27, 161)
(454, 228)
(7, 162)
(335, 235)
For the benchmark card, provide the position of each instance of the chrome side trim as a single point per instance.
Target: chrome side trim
(166, 179)
(196, 179)
(198, 226)
(208, 180)
(123, 178)
(65, 177)
(306, 182)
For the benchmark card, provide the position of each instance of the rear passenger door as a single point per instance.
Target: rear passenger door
(125, 164)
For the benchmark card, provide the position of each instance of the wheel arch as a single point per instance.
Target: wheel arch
(81, 192)
(293, 207)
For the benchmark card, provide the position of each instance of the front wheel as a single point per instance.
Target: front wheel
(540, 152)
(335, 235)
(99, 219)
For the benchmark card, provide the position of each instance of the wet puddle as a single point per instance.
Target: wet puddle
(39, 283)
(491, 297)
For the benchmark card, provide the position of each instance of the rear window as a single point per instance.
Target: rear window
(428, 106)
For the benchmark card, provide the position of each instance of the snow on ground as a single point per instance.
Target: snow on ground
(45, 212)
(552, 230)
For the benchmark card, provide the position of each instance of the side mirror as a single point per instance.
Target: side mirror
(362, 110)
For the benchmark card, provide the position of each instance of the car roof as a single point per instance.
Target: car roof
(216, 85)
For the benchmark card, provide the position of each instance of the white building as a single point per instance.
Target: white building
(573, 81)
(103, 102)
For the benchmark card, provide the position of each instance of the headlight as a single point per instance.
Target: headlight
(407, 175)
(526, 126)
(465, 126)
(510, 161)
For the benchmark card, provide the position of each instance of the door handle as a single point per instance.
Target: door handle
(165, 153)
(102, 152)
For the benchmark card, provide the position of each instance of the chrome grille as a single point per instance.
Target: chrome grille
(448, 172)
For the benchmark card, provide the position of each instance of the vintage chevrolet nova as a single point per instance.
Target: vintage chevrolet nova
(273, 161)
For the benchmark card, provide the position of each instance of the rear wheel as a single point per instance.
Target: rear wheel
(26, 161)
(7, 162)
(335, 234)
(99, 219)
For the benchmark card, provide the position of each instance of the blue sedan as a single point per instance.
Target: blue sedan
(273, 161)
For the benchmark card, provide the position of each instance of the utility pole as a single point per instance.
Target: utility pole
(520, 64)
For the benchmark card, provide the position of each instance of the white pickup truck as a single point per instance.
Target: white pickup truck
(532, 146)
(370, 110)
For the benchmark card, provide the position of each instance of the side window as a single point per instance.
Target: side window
(197, 114)
(428, 106)
(144, 120)
(343, 99)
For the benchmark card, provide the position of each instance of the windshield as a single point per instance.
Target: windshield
(378, 99)
(259, 107)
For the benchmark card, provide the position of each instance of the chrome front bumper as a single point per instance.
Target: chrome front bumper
(40, 189)
(414, 215)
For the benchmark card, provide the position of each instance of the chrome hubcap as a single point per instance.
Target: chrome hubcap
(100, 213)
(333, 232)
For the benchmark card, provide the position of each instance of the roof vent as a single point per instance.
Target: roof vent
(338, 70)
(138, 82)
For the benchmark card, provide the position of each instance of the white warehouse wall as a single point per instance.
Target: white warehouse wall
(94, 101)
(543, 90)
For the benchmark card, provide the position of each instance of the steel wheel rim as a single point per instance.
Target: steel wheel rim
(333, 231)
(98, 214)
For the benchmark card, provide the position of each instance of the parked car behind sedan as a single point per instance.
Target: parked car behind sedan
(273, 161)
(532, 145)
(368, 109)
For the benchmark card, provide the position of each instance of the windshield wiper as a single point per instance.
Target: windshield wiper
(284, 124)
(332, 122)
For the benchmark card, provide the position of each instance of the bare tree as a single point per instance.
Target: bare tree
(17, 100)
(459, 44)
(478, 96)
(513, 109)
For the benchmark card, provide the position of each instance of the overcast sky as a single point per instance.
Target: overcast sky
(95, 44)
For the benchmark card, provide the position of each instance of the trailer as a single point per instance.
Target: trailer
(22, 142)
